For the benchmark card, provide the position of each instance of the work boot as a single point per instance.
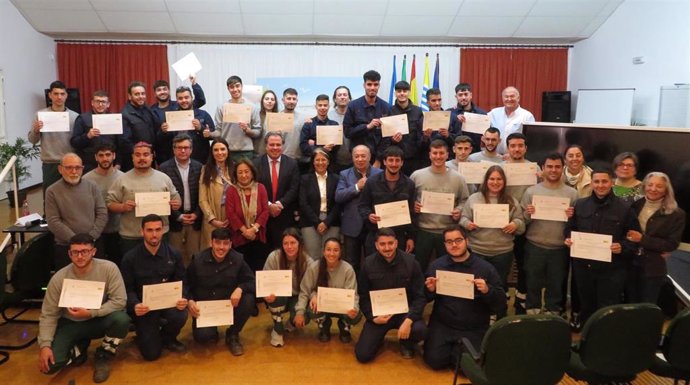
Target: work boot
(101, 365)
(233, 342)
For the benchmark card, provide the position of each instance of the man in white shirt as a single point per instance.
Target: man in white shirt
(509, 118)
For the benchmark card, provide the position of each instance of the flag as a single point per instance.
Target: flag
(436, 74)
(425, 85)
(394, 79)
(404, 69)
(413, 83)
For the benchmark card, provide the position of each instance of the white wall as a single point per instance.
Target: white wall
(659, 30)
(28, 64)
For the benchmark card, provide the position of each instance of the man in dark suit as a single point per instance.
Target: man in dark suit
(282, 188)
(185, 223)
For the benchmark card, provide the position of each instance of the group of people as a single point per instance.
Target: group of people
(244, 198)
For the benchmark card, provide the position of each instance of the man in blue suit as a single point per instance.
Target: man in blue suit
(347, 195)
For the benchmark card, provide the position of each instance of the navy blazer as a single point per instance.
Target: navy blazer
(169, 167)
(288, 182)
(310, 201)
(348, 199)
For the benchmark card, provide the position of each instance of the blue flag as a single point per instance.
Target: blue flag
(394, 79)
(436, 74)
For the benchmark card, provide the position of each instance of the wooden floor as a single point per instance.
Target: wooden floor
(303, 360)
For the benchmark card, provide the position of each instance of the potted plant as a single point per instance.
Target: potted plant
(24, 151)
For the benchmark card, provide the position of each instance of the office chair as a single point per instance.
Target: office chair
(676, 350)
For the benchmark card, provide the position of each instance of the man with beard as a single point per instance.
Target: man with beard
(491, 138)
(341, 98)
(291, 147)
(140, 123)
(73, 206)
(141, 179)
(307, 139)
(463, 95)
(163, 103)
(103, 176)
(414, 158)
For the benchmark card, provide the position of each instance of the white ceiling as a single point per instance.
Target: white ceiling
(442, 21)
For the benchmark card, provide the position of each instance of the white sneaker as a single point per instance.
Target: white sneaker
(276, 339)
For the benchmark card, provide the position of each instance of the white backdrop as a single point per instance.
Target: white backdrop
(250, 62)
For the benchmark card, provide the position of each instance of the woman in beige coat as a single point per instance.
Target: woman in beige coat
(213, 184)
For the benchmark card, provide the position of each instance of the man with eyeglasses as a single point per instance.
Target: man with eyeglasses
(73, 206)
(455, 317)
(64, 333)
(86, 138)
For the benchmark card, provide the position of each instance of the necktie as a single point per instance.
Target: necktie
(274, 179)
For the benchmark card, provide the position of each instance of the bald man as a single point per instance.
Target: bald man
(73, 205)
(509, 118)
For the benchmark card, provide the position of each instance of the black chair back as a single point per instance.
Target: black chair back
(676, 347)
(32, 266)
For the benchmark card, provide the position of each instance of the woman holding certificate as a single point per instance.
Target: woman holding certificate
(246, 207)
(493, 218)
(319, 214)
(269, 103)
(662, 223)
(213, 183)
(320, 303)
(576, 173)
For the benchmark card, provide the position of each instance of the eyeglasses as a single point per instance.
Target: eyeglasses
(73, 168)
(455, 241)
(82, 253)
(101, 101)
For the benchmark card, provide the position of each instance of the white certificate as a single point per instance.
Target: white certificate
(393, 214)
(252, 93)
(473, 172)
(152, 203)
(278, 121)
(491, 216)
(237, 113)
(436, 120)
(108, 124)
(550, 208)
(391, 125)
(388, 302)
(334, 300)
(188, 65)
(329, 135)
(179, 120)
(54, 121)
(83, 294)
(476, 123)
(162, 295)
(596, 247)
(453, 284)
(276, 282)
(520, 174)
(437, 203)
(215, 313)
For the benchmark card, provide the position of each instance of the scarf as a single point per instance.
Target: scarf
(248, 209)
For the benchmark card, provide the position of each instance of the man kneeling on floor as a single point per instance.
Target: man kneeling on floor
(66, 327)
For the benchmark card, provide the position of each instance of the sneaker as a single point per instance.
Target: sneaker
(233, 342)
(344, 334)
(82, 348)
(276, 339)
(406, 352)
(324, 334)
(101, 370)
(575, 323)
(175, 346)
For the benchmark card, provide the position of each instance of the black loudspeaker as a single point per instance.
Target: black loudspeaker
(555, 106)
(73, 100)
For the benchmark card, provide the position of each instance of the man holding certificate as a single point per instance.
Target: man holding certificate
(390, 268)
(547, 207)
(466, 290)
(238, 121)
(446, 131)
(440, 194)
(148, 270)
(308, 135)
(414, 158)
(65, 331)
(463, 95)
(601, 283)
(220, 273)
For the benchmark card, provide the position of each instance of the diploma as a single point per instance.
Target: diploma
(388, 302)
(393, 214)
(179, 120)
(278, 121)
(152, 203)
(550, 208)
(596, 247)
(108, 124)
(329, 135)
(333, 300)
(252, 93)
(473, 172)
(162, 295)
(436, 120)
(54, 121)
(83, 294)
(520, 174)
(276, 282)
(453, 284)
(237, 113)
(215, 313)
(437, 203)
(187, 66)
(391, 125)
(491, 216)
(476, 123)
